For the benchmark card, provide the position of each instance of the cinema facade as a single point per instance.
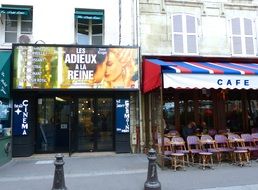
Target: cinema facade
(74, 99)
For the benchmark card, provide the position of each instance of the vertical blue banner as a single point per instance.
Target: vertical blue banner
(122, 116)
(20, 117)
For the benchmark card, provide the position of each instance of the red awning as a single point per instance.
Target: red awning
(199, 75)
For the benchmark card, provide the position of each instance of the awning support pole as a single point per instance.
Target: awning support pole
(162, 117)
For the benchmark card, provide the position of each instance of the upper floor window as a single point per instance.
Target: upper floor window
(89, 27)
(242, 36)
(17, 22)
(184, 34)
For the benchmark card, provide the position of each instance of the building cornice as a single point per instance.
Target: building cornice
(241, 6)
(190, 3)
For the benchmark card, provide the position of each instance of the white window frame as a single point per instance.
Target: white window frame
(185, 34)
(242, 36)
(90, 32)
(19, 32)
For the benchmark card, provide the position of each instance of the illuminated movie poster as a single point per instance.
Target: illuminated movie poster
(45, 67)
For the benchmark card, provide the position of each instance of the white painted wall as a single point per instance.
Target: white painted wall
(53, 21)
(213, 24)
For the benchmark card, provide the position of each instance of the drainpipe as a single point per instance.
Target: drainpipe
(162, 6)
(141, 98)
(141, 108)
(119, 22)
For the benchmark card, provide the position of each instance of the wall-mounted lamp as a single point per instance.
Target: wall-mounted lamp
(40, 41)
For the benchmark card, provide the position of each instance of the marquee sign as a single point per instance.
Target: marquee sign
(52, 67)
(20, 117)
(122, 116)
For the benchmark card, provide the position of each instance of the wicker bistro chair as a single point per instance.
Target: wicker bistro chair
(249, 143)
(209, 145)
(178, 146)
(167, 150)
(193, 146)
(254, 130)
(212, 132)
(167, 146)
(223, 146)
(240, 153)
(174, 133)
(255, 138)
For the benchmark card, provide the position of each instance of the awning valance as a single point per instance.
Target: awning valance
(15, 10)
(92, 15)
(201, 75)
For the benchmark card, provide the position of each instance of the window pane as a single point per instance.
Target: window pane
(26, 27)
(97, 22)
(249, 45)
(10, 37)
(11, 17)
(26, 17)
(97, 40)
(178, 43)
(83, 39)
(235, 24)
(46, 125)
(206, 110)
(83, 21)
(83, 32)
(237, 45)
(191, 44)
(83, 29)
(248, 26)
(190, 24)
(177, 23)
(11, 26)
(233, 109)
(97, 29)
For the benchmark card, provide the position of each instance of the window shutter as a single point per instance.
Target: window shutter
(184, 34)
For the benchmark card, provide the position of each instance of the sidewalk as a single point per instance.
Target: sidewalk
(110, 171)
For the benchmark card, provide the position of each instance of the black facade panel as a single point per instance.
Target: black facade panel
(123, 143)
(23, 150)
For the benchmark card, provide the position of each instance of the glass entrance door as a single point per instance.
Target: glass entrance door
(95, 118)
(54, 129)
(61, 120)
(105, 127)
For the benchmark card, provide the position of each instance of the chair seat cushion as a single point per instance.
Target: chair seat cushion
(241, 148)
(224, 149)
(177, 154)
(195, 151)
(205, 153)
(167, 153)
(183, 151)
(213, 150)
(251, 148)
(240, 151)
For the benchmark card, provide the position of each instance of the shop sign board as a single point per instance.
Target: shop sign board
(70, 67)
(218, 81)
(122, 116)
(20, 117)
